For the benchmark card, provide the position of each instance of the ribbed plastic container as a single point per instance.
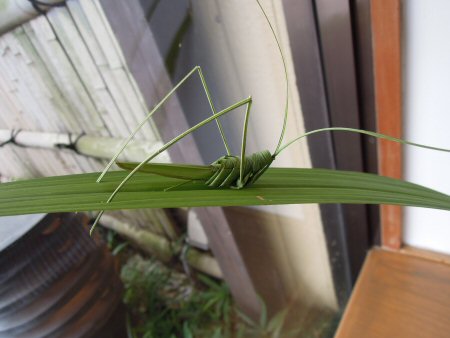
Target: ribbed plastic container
(56, 280)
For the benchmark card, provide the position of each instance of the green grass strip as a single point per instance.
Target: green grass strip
(277, 186)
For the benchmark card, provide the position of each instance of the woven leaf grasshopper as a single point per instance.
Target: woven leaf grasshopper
(229, 171)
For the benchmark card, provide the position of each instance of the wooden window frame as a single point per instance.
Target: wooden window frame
(386, 28)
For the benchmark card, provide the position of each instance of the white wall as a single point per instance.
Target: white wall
(426, 49)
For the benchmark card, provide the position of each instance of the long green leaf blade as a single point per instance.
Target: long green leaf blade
(277, 186)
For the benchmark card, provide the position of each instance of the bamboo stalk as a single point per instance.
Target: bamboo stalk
(94, 146)
(160, 247)
(152, 244)
(203, 262)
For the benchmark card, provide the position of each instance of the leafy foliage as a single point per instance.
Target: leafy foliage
(276, 186)
(164, 310)
(164, 303)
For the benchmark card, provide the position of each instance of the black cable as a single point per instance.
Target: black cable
(12, 138)
(37, 5)
(72, 143)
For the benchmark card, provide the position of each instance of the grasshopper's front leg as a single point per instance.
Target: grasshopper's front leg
(168, 145)
(159, 105)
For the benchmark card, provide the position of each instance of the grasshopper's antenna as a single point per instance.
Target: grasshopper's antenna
(361, 131)
(286, 106)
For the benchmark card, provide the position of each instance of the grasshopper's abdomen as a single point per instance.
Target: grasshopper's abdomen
(227, 170)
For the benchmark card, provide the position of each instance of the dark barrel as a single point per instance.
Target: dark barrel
(56, 280)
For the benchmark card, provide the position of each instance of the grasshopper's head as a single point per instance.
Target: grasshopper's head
(255, 165)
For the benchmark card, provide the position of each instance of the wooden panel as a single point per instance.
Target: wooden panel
(387, 63)
(399, 295)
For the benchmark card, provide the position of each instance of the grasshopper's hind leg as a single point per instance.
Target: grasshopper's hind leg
(244, 143)
(168, 145)
(149, 115)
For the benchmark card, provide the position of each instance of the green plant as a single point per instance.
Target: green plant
(276, 186)
(114, 245)
(144, 282)
(163, 303)
(265, 327)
